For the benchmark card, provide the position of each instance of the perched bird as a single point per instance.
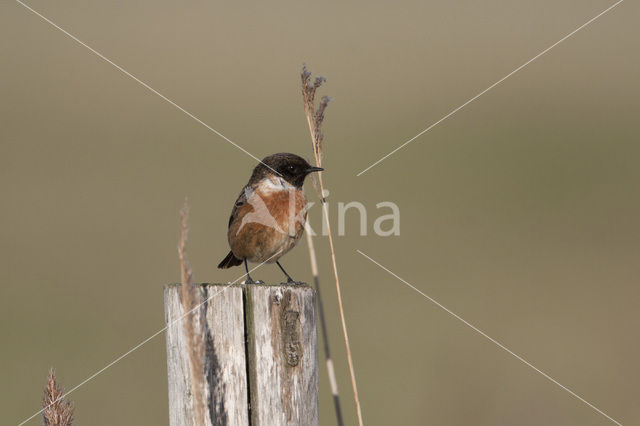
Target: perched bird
(269, 215)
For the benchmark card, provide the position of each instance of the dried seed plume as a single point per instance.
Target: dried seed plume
(315, 117)
(57, 409)
(192, 320)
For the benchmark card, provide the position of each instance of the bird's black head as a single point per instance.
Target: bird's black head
(289, 167)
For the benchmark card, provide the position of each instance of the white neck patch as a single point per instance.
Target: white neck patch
(275, 184)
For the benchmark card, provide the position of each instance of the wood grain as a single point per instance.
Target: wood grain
(225, 363)
(282, 354)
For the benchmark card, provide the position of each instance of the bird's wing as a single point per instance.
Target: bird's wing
(240, 201)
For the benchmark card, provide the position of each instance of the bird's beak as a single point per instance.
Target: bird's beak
(314, 169)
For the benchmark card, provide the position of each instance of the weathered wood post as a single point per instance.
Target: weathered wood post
(260, 362)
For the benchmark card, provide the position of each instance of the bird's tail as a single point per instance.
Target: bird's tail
(229, 261)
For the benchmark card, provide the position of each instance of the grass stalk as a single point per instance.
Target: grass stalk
(192, 333)
(315, 118)
(323, 327)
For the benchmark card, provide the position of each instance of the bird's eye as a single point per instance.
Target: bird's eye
(291, 167)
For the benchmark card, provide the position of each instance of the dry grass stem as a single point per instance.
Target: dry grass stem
(323, 327)
(57, 410)
(191, 323)
(315, 118)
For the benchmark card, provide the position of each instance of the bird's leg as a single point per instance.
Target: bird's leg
(249, 280)
(289, 279)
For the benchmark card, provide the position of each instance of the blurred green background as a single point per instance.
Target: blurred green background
(519, 213)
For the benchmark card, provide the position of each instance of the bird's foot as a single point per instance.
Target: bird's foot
(291, 281)
(250, 281)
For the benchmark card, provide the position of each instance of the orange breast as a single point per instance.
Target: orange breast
(269, 224)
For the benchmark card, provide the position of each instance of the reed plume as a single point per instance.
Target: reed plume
(191, 323)
(57, 410)
(315, 119)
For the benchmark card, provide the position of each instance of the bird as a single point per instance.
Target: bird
(269, 215)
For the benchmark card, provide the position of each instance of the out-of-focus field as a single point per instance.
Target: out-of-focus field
(519, 213)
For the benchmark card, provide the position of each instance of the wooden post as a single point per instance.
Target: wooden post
(225, 368)
(261, 365)
(282, 353)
